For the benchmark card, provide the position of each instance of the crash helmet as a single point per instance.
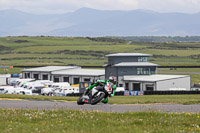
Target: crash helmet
(112, 79)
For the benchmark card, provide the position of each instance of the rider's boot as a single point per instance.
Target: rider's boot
(105, 101)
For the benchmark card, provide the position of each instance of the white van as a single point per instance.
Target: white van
(118, 89)
(67, 90)
(47, 91)
(10, 89)
(23, 92)
(60, 85)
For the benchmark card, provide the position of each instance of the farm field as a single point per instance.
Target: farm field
(179, 69)
(146, 99)
(23, 121)
(195, 78)
(39, 51)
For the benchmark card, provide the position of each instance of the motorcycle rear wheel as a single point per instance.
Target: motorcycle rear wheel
(97, 99)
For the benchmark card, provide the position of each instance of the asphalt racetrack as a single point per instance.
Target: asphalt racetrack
(53, 105)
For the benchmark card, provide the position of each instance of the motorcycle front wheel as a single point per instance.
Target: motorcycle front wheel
(97, 99)
(80, 101)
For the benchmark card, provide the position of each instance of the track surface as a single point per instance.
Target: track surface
(49, 105)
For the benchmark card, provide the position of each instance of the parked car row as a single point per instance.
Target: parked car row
(38, 87)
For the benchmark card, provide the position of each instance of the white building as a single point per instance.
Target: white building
(44, 73)
(74, 76)
(71, 74)
(135, 73)
(157, 82)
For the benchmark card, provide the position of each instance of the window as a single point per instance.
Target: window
(87, 79)
(27, 75)
(145, 71)
(36, 76)
(142, 59)
(136, 86)
(45, 77)
(65, 79)
(56, 79)
(120, 85)
(76, 81)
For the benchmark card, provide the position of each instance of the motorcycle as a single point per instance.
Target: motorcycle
(96, 95)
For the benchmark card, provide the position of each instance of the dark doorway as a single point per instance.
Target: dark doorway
(27, 75)
(149, 87)
(66, 79)
(76, 81)
(136, 86)
(127, 86)
(45, 77)
(56, 79)
(36, 76)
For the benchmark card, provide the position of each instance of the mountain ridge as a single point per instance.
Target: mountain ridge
(93, 22)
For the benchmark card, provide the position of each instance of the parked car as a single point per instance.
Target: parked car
(3, 91)
(47, 91)
(23, 91)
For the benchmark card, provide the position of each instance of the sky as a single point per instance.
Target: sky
(64, 6)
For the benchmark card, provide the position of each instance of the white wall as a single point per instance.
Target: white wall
(3, 80)
(179, 83)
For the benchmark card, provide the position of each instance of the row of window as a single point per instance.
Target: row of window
(65, 79)
(145, 71)
(75, 80)
(142, 59)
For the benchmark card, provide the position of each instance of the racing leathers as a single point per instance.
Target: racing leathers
(102, 83)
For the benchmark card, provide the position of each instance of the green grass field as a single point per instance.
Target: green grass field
(146, 99)
(27, 51)
(179, 69)
(195, 78)
(35, 121)
(42, 51)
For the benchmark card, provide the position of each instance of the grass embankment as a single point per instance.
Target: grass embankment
(195, 78)
(151, 99)
(23, 121)
(31, 51)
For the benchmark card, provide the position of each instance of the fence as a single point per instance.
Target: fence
(122, 93)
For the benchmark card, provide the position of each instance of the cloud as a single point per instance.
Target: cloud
(62, 6)
(112, 4)
(186, 6)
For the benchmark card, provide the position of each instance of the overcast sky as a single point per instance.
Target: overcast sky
(63, 6)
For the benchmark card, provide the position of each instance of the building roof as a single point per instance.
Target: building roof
(128, 54)
(49, 68)
(81, 72)
(152, 78)
(130, 64)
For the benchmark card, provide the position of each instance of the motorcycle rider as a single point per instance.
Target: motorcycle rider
(112, 83)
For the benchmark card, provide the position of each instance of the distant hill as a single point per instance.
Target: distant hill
(91, 22)
(159, 38)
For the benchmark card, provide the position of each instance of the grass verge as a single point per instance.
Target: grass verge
(23, 121)
(146, 99)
